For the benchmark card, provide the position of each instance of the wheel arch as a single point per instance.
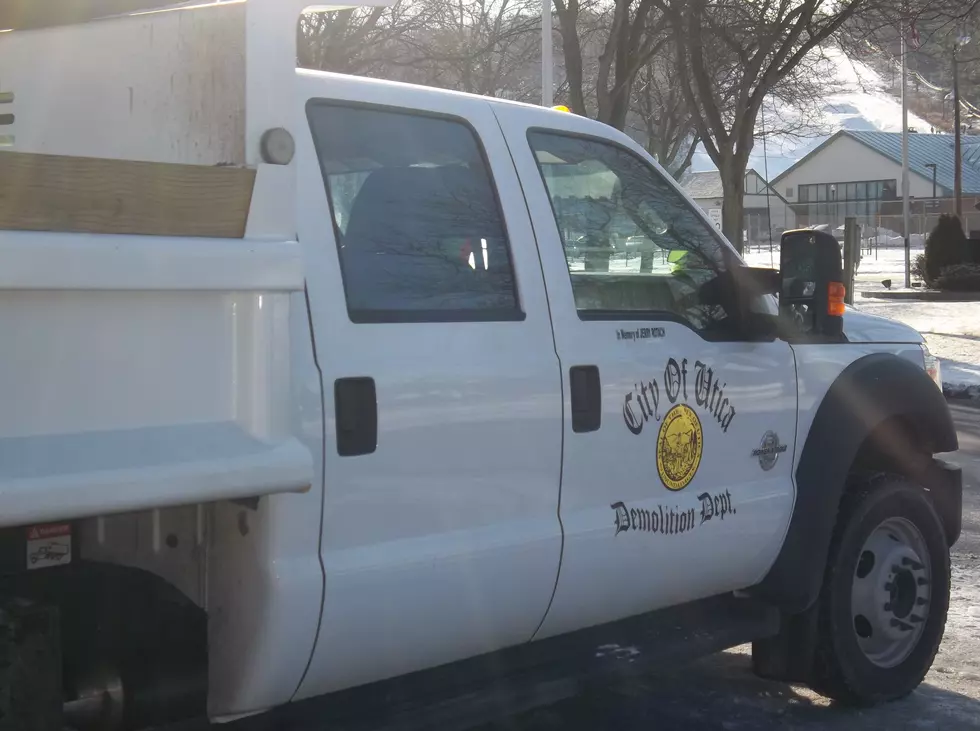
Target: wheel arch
(882, 413)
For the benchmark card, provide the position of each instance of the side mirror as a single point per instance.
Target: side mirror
(811, 289)
(750, 284)
(736, 290)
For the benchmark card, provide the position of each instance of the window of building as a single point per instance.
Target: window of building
(418, 225)
(633, 245)
(868, 190)
(789, 192)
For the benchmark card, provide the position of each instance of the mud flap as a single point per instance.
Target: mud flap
(944, 482)
(30, 667)
(788, 657)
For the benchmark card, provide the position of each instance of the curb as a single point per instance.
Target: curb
(926, 295)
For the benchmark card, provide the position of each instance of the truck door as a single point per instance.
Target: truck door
(679, 434)
(440, 532)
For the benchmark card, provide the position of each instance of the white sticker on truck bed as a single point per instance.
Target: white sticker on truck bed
(48, 545)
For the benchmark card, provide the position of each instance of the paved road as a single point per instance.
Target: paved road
(967, 417)
(721, 694)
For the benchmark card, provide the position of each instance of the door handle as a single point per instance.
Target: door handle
(586, 392)
(356, 411)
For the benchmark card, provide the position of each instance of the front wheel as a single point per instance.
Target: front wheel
(885, 596)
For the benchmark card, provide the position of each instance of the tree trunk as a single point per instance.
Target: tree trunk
(733, 186)
(572, 53)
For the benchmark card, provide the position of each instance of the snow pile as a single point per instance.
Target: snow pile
(892, 240)
(952, 333)
(877, 264)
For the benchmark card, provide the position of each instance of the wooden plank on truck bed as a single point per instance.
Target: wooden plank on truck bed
(95, 195)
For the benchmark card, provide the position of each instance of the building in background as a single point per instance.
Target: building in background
(859, 173)
(764, 211)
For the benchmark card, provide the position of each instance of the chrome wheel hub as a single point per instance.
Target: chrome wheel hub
(891, 590)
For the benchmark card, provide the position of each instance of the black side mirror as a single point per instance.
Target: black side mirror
(811, 288)
(736, 289)
(751, 283)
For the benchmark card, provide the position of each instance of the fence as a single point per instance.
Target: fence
(882, 221)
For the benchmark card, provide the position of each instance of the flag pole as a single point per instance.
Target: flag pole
(547, 57)
(905, 163)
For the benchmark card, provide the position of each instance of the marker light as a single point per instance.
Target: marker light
(933, 367)
(835, 299)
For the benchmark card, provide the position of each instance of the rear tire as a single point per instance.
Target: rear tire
(30, 667)
(882, 609)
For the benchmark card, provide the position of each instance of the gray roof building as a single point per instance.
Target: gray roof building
(924, 150)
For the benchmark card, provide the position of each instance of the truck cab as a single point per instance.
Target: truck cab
(390, 405)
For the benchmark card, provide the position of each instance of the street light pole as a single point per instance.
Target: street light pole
(547, 57)
(905, 163)
(957, 166)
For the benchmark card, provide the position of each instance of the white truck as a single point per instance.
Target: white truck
(308, 390)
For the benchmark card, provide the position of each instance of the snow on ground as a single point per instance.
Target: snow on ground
(951, 329)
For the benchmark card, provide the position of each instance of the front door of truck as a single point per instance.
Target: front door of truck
(679, 435)
(440, 534)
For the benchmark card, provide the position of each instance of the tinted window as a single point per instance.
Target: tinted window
(633, 244)
(418, 226)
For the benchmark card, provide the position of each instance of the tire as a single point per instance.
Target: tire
(883, 605)
(6, 671)
(30, 667)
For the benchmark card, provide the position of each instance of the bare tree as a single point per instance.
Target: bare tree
(730, 56)
(487, 47)
(357, 40)
(627, 35)
(660, 116)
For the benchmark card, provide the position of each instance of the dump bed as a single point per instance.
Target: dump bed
(149, 275)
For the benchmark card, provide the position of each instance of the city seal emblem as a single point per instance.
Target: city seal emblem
(679, 447)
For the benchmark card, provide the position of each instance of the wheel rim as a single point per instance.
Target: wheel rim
(891, 592)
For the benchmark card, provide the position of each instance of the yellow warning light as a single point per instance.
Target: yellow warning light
(561, 108)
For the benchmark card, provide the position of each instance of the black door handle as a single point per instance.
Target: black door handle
(586, 392)
(356, 409)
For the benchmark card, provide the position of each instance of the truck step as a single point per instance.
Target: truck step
(498, 685)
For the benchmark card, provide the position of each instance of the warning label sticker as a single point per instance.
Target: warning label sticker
(48, 545)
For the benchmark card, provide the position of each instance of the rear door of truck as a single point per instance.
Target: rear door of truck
(440, 535)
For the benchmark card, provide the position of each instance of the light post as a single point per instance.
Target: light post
(833, 216)
(957, 170)
(957, 132)
(933, 166)
(547, 56)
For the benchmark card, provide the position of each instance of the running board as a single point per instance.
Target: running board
(502, 684)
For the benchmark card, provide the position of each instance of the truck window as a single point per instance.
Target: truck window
(634, 245)
(418, 225)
